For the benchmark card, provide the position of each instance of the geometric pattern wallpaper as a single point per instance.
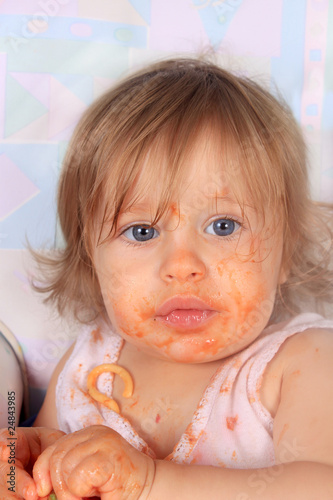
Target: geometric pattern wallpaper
(57, 56)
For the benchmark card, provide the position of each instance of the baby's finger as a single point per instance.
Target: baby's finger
(14, 445)
(40, 438)
(63, 456)
(61, 462)
(26, 444)
(48, 436)
(89, 475)
(48, 475)
(41, 472)
(16, 482)
(7, 495)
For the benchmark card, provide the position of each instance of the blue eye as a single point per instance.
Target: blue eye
(223, 227)
(140, 233)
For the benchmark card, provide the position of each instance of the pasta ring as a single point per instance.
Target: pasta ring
(102, 398)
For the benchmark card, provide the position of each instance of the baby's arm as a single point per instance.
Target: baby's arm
(97, 460)
(47, 416)
(303, 421)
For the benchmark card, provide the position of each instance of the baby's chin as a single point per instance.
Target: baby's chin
(178, 353)
(187, 356)
(191, 347)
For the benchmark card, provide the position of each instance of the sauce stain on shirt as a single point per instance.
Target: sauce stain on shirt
(231, 422)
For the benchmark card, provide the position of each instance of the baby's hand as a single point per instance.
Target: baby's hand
(94, 461)
(18, 453)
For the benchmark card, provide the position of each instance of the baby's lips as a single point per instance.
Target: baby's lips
(182, 302)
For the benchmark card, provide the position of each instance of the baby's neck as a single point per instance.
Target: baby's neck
(166, 393)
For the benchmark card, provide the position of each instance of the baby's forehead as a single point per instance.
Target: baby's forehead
(202, 163)
(200, 182)
(196, 195)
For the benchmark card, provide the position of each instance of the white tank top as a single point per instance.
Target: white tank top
(230, 427)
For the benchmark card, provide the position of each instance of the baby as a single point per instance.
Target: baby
(192, 250)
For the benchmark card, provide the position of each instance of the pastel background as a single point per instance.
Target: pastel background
(57, 56)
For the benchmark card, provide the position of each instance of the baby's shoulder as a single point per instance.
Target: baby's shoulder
(297, 358)
(304, 409)
(304, 346)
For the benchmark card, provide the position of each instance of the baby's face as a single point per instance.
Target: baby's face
(220, 264)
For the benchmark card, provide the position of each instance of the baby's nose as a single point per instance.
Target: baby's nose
(182, 265)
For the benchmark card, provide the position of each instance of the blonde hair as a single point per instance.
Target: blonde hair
(160, 112)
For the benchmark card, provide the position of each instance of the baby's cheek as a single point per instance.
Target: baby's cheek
(129, 312)
(254, 314)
